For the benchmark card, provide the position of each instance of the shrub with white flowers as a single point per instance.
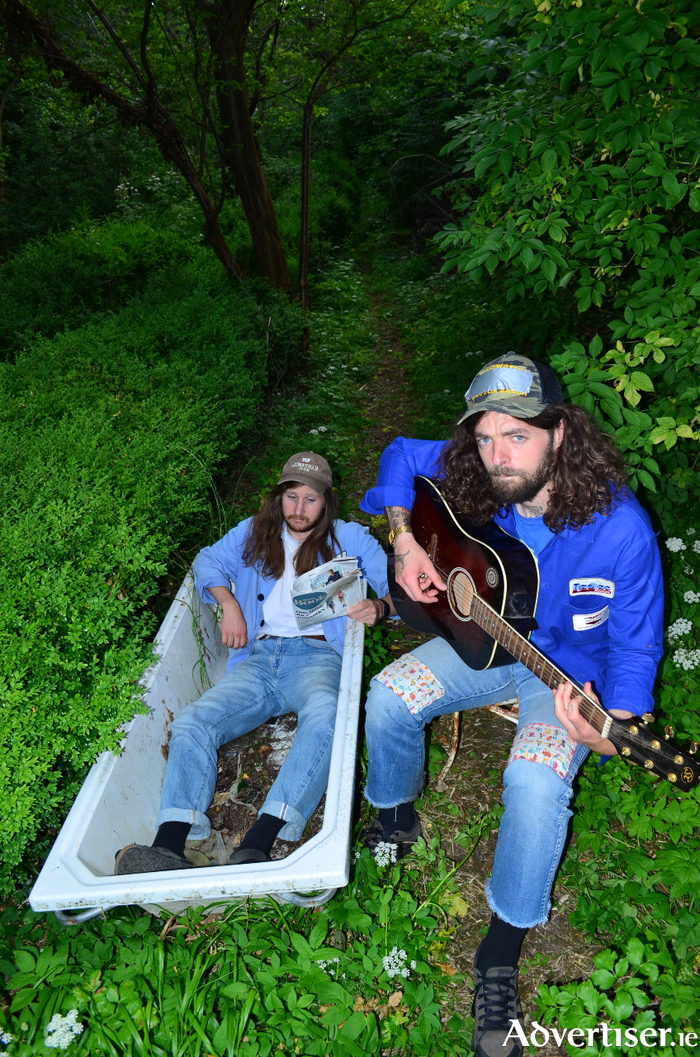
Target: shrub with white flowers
(675, 544)
(396, 964)
(61, 1030)
(686, 659)
(679, 628)
(691, 597)
(385, 853)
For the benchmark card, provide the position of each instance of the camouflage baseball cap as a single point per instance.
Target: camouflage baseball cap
(307, 467)
(514, 385)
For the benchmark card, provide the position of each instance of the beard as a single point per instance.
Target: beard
(302, 524)
(520, 486)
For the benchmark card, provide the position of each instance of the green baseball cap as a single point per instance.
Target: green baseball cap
(307, 467)
(513, 385)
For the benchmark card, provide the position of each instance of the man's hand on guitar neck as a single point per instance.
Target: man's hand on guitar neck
(566, 710)
(413, 570)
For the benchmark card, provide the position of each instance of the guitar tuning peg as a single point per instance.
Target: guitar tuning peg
(668, 732)
(647, 718)
(693, 748)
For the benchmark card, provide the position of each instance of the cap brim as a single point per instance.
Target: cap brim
(528, 408)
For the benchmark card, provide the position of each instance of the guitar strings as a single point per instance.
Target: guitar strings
(505, 635)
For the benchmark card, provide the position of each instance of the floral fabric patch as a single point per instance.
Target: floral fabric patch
(544, 743)
(412, 681)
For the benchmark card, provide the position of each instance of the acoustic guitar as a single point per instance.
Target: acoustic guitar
(488, 613)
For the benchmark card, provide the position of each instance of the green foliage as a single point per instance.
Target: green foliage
(64, 159)
(356, 977)
(58, 283)
(110, 433)
(575, 174)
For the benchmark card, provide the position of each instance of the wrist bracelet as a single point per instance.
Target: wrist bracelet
(387, 608)
(397, 532)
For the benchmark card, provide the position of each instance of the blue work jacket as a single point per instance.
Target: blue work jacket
(600, 606)
(221, 565)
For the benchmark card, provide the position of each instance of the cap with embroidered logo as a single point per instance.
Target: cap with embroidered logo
(514, 385)
(307, 467)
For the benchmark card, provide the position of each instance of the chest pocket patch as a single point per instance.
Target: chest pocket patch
(586, 621)
(592, 585)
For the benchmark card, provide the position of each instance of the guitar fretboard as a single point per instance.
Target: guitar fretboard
(522, 650)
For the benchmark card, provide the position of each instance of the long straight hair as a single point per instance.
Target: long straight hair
(264, 541)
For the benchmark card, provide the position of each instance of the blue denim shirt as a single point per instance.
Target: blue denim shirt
(600, 607)
(221, 565)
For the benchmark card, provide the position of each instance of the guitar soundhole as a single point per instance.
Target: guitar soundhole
(460, 591)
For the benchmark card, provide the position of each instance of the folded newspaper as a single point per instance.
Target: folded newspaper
(326, 592)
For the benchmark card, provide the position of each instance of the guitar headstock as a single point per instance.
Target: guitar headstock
(642, 744)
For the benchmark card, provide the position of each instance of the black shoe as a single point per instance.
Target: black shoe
(142, 858)
(388, 850)
(241, 856)
(496, 1006)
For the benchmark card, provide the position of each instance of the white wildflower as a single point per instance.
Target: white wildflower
(6, 1037)
(313, 431)
(691, 532)
(686, 659)
(327, 966)
(691, 596)
(675, 544)
(395, 964)
(696, 546)
(678, 628)
(385, 853)
(688, 570)
(322, 429)
(62, 1030)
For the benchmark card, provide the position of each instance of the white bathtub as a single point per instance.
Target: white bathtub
(119, 800)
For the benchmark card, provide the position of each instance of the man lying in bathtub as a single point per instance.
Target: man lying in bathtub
(273, 668)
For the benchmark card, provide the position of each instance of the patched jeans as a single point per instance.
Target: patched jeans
(412, 691)
(279, 676)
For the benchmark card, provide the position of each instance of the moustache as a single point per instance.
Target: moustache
(498, 472)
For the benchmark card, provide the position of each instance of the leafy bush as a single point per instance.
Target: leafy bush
(109, 436)
(57, 283)
(575, 175)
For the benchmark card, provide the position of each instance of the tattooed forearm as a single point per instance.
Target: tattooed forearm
(397, 516)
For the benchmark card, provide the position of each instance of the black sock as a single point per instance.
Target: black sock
(263, 833)
(500, 946)
(402, 817)
(172, 835)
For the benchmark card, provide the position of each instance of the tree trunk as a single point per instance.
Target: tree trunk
(227, 26)
(22, 24)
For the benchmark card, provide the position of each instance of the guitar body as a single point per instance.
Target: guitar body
(481, 560)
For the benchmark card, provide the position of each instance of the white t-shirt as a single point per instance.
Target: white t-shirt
(278, 612)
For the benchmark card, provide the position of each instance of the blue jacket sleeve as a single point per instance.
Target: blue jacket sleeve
(398, 465)
(220, 564)
(358, 540)
(635, 628)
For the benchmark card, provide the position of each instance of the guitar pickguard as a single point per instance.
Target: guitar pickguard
(501, 569)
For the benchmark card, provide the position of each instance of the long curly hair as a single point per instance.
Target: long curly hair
(586, 476)
(264, 541)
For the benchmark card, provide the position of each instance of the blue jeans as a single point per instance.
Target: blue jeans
(278, 676)
(412, 691)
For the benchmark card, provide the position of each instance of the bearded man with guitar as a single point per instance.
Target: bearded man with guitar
(524, 466)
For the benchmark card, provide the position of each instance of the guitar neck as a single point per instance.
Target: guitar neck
(522, 650)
